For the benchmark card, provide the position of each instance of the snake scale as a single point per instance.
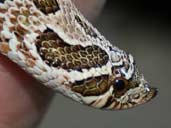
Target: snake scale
(52, 41)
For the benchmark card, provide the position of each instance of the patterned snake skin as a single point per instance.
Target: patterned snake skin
(52, 41)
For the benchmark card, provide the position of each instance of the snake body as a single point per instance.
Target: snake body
(52, 41)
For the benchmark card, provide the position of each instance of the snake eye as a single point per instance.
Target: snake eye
(120, 86)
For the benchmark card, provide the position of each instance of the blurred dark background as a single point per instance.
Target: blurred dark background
(150, 9)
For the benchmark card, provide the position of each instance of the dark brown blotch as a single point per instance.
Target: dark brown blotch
(55, 52)
(47, 6)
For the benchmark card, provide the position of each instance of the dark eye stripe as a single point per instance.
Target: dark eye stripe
(92, 87)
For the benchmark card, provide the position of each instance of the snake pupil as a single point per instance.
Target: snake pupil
(119, 85)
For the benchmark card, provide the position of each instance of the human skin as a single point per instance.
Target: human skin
(23, 100)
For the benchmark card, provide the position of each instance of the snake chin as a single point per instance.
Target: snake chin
(130, 99)
(135, 97)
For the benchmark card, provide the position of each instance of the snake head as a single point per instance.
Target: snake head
(123, 88)
(128, 93)
(129, 88)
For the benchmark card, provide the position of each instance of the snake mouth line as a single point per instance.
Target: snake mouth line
(112, 104)
(150, 95)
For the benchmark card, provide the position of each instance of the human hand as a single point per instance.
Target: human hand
(23, 100)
